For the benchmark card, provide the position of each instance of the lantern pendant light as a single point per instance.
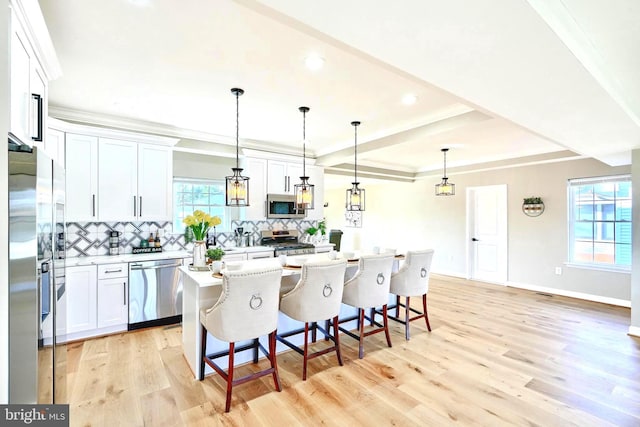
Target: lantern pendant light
(355, 195)
(237, 186)
(304, 192)
(445, 188)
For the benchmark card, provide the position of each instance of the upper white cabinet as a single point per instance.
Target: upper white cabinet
(282, 176)
(134, 181)
(117, 176)
(33, 63)
(81, 178)
(256, 170)
(54, 146)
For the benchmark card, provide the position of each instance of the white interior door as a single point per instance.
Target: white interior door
(487, 233)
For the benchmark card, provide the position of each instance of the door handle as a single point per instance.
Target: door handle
(134, 205)
(36, 133)
(140, 209)
(93, 204)
(124, 293)
(474, 240)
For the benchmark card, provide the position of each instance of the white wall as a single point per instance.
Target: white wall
(407, 216)
(4, 208)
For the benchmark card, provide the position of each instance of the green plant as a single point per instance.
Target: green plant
(322, 226)
(532, 200)
(215, 254)
(311, 231)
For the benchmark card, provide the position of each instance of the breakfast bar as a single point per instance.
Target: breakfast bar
(202, 290)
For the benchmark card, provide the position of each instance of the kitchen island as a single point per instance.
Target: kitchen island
(201, 290)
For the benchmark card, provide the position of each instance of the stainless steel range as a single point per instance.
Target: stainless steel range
(285, 242)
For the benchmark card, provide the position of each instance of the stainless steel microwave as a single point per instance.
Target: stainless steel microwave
(283, 206)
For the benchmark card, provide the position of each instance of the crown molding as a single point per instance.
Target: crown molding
(29, 15)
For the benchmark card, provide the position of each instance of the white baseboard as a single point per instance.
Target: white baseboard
(572, 294)
(450, 273)
(634, 330)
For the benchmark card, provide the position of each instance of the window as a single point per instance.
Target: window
(600, 222)
(206, 195)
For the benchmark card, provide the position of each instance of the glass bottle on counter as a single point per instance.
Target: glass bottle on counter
(151, 240)
(157, 241)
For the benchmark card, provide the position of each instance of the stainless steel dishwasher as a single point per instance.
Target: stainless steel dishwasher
(155, 293)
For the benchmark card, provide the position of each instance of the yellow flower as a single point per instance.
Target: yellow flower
(200, 222)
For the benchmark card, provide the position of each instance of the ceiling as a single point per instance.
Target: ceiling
(536, 80)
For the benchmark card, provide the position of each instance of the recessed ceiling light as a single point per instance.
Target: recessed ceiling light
(314, 61)
(409, 99)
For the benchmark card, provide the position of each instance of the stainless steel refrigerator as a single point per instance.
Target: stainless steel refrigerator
(37, 353)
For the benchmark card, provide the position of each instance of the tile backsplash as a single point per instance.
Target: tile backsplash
(92, 238)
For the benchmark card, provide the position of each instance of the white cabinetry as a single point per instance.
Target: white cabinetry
(256, 170)
(81, 284)
(28, 87)
(282, 176)
(260, 255)
(81, 178)
(54, 146)
(117, 176)
(112, 296)
(117, 180)
(235, 257)
(32, 63)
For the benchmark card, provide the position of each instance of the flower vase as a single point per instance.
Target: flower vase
(199, 251)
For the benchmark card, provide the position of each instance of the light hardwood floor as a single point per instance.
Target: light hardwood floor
(496, 356)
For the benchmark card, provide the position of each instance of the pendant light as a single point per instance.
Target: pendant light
(445, 188)
(304, 192)
(355, 195)
(237, 186)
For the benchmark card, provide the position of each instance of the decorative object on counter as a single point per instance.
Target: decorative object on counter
(237, 186)
(158, 244)
(114, 242)
(144, 243)
(199, 249)
(146, 250)
(215, 255)
(316, 234)
(533, 206)
(199, 224)
(355, 195)
(304, 192)
(445, 188)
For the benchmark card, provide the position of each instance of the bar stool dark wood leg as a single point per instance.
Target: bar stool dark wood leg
(203, 350)
(407, 311)
(232, 347)
(361, 325)
(306, 350)
(272, 359)
(336, 336)
(424, 307)
(386, 324)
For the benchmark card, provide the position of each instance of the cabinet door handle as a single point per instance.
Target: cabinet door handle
(113, 271)
(36, 130)
(124, 293)
(93, 205)
(261, 257)
(140, 210)
(134, 206)
(285, 183)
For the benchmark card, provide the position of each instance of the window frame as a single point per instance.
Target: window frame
(226, 218)
(571, 221)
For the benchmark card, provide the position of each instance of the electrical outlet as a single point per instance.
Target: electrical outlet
(558, 271)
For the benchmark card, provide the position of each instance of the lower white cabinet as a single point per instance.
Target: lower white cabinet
(97, 300)
(113, 284)
(82, 298)
(260, 255)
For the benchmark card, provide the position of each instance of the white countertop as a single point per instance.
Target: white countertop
(113, 259)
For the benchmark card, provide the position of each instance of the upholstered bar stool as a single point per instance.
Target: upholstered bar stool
(246, 310)
(367, 289)
(412, 279)
(317, 297)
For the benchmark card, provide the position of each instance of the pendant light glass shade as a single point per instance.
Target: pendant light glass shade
(445, 188)
(355, 195)
(304, 192)
(237, 186)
